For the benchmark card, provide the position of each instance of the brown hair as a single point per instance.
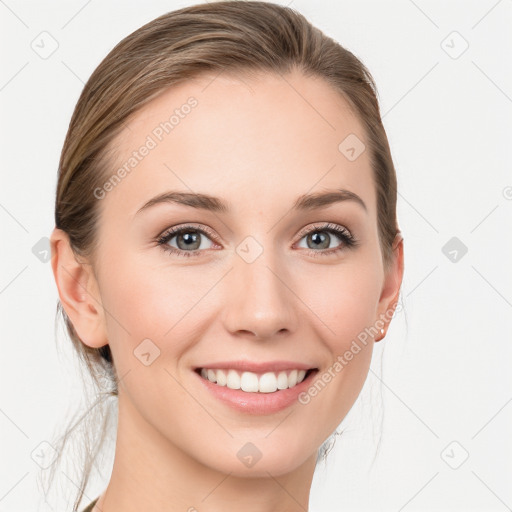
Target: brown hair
(232, 36)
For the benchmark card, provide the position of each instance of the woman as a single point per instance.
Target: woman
(226, 252)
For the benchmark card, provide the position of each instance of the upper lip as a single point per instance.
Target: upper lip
(258, 367)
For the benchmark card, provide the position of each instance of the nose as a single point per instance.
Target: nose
(258, 299)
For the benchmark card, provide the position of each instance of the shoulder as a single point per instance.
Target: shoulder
(90, 506)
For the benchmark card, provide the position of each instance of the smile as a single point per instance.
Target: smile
(251, 382)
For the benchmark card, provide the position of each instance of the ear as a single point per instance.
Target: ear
(391, 289)
(78, 291)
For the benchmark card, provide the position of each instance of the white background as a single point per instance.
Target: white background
(446, 379)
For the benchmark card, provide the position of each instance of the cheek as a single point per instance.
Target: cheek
(157, 302)
(150, 325)
(349, 315)
(345, 302)
(344, 299)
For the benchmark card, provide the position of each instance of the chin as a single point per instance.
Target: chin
(260, 457)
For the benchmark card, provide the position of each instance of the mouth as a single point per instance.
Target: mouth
(255, 387)
(256, 382)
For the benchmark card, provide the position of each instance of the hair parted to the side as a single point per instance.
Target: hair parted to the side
(227, 36)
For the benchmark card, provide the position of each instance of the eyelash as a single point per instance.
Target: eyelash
(349, 241)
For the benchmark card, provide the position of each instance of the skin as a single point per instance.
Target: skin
(257, 143)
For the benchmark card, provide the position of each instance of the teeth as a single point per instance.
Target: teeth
(249, 382)
(233, 380)
(222, 378)
(292, 378)
(268, 383)
(282, 381)
(252, 382)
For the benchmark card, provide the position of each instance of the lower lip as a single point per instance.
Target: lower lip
(257, 403)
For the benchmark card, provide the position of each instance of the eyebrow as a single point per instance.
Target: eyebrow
(207, 202)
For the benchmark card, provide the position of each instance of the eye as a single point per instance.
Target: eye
(320, 237)
(188, 240)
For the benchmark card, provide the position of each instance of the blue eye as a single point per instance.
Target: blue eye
(188, 239)
(318, 238)
(189, 243)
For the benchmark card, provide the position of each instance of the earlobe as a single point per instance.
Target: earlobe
(78, 291)
(392, 284)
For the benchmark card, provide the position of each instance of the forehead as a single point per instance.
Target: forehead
(253, 140)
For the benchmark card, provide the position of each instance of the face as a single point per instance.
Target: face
(240, 273)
